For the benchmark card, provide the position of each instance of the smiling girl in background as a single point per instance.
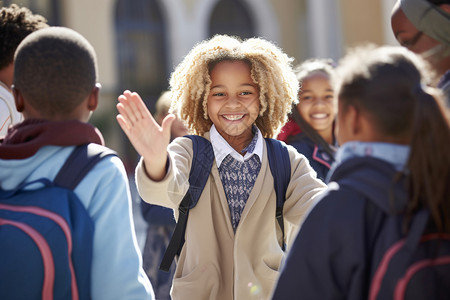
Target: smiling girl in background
(314, 115)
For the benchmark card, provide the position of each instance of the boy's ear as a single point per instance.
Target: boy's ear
(18, 99)
(356, 119)
(93, 97)
(352, 118)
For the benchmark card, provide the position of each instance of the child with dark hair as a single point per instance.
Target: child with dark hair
(56, 89)
(393, 165)
(314, 115)
(233, 93)
(15, 24)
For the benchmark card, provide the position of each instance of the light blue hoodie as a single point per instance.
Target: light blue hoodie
(116, 264)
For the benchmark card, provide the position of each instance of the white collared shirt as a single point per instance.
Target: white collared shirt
(222, 148)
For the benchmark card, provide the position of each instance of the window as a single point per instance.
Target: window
(141, 54)
(231, 17)
(141, 48)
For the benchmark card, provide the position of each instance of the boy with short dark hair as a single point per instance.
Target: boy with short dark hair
(55, 88)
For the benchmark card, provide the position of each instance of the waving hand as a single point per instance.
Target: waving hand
(148, 138)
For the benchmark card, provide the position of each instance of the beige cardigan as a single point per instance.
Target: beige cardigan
(216, 263)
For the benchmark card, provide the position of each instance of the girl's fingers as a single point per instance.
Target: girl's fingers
(138, 104)
(135, 106)
(167, 124)
(123, 124)
(129, 102)
(135, 113)
(124, 114)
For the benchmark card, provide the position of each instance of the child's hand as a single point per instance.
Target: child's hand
(148, 138)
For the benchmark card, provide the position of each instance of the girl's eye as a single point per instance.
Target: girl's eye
(408, 43)
(219, 94)
(306, 98)
(246, 93)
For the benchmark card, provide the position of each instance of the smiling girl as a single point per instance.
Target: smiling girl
(233, 93)
(315, 115)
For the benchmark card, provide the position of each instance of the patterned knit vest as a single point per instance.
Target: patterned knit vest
(238, 179)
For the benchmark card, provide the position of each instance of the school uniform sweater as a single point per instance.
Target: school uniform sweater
(217, 262)
(35, 149)
(332, 256)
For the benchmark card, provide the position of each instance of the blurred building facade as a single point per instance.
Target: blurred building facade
(138, 42)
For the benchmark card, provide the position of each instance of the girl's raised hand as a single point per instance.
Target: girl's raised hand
(148, 138)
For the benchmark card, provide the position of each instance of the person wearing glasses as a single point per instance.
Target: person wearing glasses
(423, 26)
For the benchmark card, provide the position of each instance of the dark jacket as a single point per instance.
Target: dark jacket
(332, 255)
(319, 160)
(157, 215)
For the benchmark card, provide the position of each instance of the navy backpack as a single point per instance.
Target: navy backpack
(280, 166)
(415, 266)
(46, 234)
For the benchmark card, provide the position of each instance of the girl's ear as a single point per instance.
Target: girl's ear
(346, 124)
(356, 120)
(18, 99)
(364, 128)
(352, 120)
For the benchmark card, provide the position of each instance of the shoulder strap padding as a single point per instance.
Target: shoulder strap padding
(202, 160)
(82, 159)
(280, 166)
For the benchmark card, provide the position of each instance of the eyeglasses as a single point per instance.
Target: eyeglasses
(412, 41)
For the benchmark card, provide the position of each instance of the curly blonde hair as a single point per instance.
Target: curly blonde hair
(271, 70)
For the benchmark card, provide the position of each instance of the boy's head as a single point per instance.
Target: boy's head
(55, 75)
(15, 24)
(270, 69)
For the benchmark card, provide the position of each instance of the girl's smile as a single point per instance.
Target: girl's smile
(233, 117)
(233, 102)
(316, 104)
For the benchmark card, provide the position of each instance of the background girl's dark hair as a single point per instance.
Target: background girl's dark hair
(386, 84)
(439, 2)
(301, 71)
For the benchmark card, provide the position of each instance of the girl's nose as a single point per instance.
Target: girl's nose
(319, 101)
(233, 101)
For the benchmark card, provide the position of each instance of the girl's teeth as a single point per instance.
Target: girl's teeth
(233, 117)
(319, 116)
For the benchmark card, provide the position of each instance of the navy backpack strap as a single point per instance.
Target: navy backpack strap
(79, 163)
(280, 166)
(203, 158)
(419, 221)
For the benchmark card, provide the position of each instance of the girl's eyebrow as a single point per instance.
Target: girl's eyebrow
(310, 90)
(242, 85)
